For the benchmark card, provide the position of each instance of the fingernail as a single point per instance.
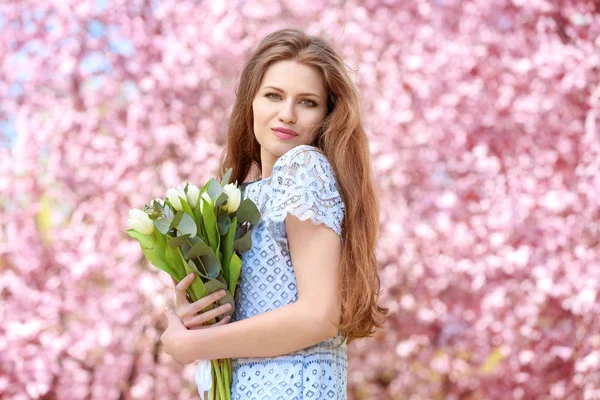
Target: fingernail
(190, 274)
(222, 293)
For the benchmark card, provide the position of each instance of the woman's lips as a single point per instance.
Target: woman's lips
(284, 133)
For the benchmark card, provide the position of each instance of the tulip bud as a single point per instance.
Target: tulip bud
(173, 196)
(207, 198)
(235, 197)
(157, 200)
(192, 195)
(140, 221)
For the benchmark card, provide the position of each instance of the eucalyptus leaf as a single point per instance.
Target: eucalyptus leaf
(226, 177)
(228, 299)
(224, 223)
(214, 189)
(221, 199)
(176, 219)
(244, 243)
(194, 268)
(221, 279)
(211, 264)
(177, 241)
(199, 249)
(213, 285)
(185, 249)
(187, 225)
(163, 225)
(247, 211)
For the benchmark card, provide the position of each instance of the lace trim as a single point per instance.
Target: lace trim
(304, 184)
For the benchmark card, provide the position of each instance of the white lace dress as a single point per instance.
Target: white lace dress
(303, 184)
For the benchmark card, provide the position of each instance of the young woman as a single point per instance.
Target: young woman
(309, 285)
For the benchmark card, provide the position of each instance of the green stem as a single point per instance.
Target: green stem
(219, 382)
(227, 374)
(213, 389)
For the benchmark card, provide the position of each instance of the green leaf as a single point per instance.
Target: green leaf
(177, 241)
(221, 199)
(176, 262)
(213, 285)
(247, 211)
(210, 224)
(158, 207)
(156, 255)
(214, 188)
(212, 265)
(226, 177)
(235, 268)
(187, 225)
(146, 241)
(200, 249)
(224, 223)
(227, 248)
(186, 207)
(163, 225)
(228, 299)
(176, 219)
(200, 222)
(194, 268)
(222, 280)
(244, 243)
(196, 290)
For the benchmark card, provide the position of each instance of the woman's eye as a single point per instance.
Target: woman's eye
(308, 102)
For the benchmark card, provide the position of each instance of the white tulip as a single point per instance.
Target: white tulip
(173, 196)
(140, 221)
(235, 197)
(207, 198)
(192, 195)
(159, 201)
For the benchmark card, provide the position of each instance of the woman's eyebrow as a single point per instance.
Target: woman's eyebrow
(299, 94)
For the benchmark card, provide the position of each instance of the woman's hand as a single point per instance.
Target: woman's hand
(188, 313)
(174, 336)
(186, 317)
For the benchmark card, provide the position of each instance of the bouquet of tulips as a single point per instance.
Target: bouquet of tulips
(202, 231)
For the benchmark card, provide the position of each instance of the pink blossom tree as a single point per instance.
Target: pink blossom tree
(484, 124)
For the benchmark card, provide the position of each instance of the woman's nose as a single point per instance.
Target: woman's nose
(287, 113)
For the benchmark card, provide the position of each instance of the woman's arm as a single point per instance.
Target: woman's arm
(315, 251)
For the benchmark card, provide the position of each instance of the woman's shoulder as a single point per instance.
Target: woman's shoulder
(302, 156)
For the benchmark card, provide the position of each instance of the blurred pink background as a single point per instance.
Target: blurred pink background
(484, 125)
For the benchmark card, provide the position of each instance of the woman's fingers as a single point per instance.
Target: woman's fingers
(202, 326)
(181, 288)
(204, 302)
(206, 316)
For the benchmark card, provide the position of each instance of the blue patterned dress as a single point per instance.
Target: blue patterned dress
(303, 184)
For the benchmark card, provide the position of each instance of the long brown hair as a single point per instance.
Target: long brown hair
(343, 140)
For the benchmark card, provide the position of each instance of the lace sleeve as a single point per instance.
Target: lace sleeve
(304, 185)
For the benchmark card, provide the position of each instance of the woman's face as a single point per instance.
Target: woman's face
(292, 96)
